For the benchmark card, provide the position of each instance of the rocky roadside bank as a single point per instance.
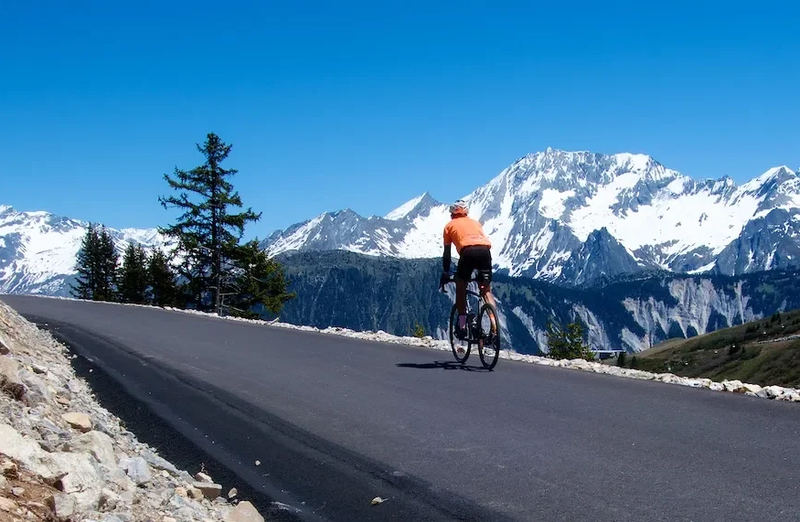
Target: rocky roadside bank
(64, 458)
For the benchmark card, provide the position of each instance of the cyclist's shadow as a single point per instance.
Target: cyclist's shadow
(448, 365)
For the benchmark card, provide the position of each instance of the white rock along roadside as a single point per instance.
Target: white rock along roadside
(64, 457)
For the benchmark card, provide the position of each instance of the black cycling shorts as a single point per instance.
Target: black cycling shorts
(475, 258)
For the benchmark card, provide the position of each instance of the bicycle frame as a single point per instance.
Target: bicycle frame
(473, 338)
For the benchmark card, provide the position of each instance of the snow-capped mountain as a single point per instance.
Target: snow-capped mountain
(572, 216)
(38, 250)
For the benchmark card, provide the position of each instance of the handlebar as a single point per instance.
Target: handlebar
(451, 279)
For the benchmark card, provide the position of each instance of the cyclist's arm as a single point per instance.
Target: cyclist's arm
(448, 240)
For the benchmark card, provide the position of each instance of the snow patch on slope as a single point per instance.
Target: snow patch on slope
(552, 204)
(403, 210)
(424, 239)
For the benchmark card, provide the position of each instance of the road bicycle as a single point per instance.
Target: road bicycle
(482, 329)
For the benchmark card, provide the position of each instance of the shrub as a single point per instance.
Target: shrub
(418, 331)
(567, 343)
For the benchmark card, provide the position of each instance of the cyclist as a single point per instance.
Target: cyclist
(474, 250)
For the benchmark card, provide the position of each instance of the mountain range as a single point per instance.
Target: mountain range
(38, 250)
(572, 217)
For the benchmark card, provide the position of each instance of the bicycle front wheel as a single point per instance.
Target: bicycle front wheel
(460, 348)
(489, 336)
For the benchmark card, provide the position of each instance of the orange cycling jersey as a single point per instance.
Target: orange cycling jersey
(464, 232)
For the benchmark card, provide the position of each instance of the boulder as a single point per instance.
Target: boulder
(209, 490)
(244, 512)
(5, 345)
(159, 463)
(71, 473)
(62, 505)
(97, 444)
(202, 477)
(8, 505)
(138, 470)
(79, 421)
(10, 383)
(81, 479)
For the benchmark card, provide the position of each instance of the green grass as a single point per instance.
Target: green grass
(734, 353)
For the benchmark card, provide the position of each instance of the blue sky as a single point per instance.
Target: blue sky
(329, 103)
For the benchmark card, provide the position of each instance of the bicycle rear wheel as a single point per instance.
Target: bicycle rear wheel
(489, 336)
(460, 348)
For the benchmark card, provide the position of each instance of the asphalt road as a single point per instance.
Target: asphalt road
(336, 422)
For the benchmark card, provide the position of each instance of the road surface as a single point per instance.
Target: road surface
(337, 421)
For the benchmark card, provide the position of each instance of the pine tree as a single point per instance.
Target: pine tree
(567, 343)
(86, 265)
(207, 233)
(133, 276)
(161, 278)
(97, 266)
(107, 262)
(622, 359)
(258, 282)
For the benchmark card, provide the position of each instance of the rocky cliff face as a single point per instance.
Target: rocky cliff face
(633, 313)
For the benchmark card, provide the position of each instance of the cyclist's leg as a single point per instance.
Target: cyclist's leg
(486, 292)
(463, 275)
(484, 267)
(461, 296)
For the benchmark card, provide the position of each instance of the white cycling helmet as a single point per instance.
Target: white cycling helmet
(459, 207)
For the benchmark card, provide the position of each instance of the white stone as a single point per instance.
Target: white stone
(158, 462)
(752, 388)
(774, 392)
(244, 512)
(108, 499)
(10, 383)
(83, 480)
(209, 490)
(37, 391)
(79, 421)
(97, 444)
(62, 505)
(202, 477)
(5, 345)
(733, 386)
(7, 505)
(138, 470)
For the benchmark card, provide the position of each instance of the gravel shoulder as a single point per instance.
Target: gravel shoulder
(66, 458)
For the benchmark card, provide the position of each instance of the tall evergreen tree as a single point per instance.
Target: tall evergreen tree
(207, 232)
(88, 271)
(133, 276)
(107, 263)
(97, 266)
(258, 282)
(161, 277)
